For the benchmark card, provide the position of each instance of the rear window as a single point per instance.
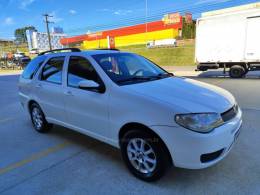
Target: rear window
(33, 67)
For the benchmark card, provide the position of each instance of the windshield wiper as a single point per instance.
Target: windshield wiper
(166, 74)
(162, 75)
(137, 78)
(147, 78)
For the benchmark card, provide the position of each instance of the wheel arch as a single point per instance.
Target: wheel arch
(138, 126)
(242, 64)
(30, 104)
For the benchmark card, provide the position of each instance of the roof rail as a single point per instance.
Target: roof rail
(60, 50)
(108, 49)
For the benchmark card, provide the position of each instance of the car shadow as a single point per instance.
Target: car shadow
(85, 142)
(176, 176)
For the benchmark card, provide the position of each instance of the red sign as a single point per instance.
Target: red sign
(111, 42)
(173, 18)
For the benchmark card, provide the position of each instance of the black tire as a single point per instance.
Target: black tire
(237, 71)
(201, 68)
(39, 122)
(246, 70)
(160, 154)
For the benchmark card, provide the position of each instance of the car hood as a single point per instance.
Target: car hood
(186, 94)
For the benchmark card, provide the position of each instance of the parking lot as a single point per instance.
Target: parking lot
(67, 162)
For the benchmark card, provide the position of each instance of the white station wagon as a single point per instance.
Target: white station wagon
(156, 119)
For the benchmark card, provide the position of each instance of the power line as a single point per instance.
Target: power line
(195, 9)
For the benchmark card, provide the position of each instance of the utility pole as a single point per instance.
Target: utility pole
(47, 16)
(146, 20)
(146, 15)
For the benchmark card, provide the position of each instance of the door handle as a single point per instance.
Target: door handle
(38, 86)
(68, 93)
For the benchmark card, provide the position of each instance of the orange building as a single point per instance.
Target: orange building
(169, 27)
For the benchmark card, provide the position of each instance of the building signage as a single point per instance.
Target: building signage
(173, 18)
(96, 35)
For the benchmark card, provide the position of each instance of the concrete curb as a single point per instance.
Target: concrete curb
(187, 73)
(8, 73)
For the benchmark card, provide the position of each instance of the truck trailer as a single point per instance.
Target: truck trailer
(229, 39)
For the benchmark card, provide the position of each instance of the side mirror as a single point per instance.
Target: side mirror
(92, 86)
(88, 84)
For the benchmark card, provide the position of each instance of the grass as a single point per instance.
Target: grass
(173, 56)
(178, 56)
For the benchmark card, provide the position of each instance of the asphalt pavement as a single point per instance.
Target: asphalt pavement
(66, 162)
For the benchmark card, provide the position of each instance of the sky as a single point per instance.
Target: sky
(82, 16)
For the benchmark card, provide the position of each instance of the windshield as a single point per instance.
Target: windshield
(126, 68)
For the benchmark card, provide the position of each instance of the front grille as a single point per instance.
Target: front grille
(230, 114)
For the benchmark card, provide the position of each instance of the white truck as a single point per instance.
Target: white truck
(229, 38)
(162, 43)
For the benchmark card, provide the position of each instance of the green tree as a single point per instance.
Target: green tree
(188, 30)
(20, 33)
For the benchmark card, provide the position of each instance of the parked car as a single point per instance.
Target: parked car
(34, 51)
(156, 119)
(23, 61)
(18, 55)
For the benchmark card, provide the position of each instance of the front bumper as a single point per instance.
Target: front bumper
(187, 147)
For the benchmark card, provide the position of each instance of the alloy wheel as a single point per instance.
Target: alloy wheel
(37, 118)
(141, 155)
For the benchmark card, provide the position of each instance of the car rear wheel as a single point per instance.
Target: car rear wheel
(38, 119)
(144, 155)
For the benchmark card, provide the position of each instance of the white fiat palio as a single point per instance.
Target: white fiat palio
(156, 119)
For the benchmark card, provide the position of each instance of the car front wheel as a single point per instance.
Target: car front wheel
(144, 155)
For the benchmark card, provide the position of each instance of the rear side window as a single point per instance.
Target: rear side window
(52, 70)
(33, 67)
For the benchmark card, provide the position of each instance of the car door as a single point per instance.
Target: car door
(49, 89)
(87, 109)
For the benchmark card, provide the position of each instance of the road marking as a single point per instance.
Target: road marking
(34, 157)
(6, 120)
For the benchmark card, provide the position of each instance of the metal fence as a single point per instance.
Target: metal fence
(10, 64)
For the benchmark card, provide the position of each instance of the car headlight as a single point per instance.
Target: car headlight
(201, 122)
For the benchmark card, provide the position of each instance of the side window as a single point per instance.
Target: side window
(52, 71)
(80, 69)
(32, 68)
